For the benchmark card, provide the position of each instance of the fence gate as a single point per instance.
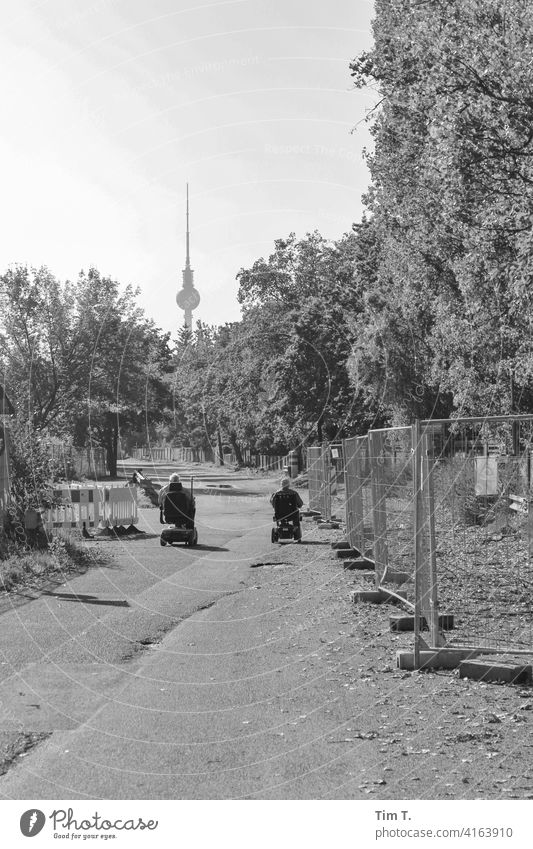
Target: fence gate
(319, 477)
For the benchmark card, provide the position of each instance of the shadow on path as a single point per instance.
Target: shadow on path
(88, 599)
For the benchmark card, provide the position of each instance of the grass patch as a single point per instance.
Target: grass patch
(21, 566)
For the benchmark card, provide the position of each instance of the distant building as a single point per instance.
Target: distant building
(188, 297)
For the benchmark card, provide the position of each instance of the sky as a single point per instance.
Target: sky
(110, 107)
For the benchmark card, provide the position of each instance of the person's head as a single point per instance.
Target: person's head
(285, 483)
(175, 478)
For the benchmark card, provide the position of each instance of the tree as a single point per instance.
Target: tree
(81, 361)
(126, 359)
(38, 346)
(450, 204)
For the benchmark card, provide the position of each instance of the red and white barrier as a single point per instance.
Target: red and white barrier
(91, 506)
(74, 507)
(121, 506)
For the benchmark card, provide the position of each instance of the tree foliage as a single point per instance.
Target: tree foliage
(80, 360)
(448, 302)
(278, 378)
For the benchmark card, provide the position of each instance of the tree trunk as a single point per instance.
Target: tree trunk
(112, 450)
(319, 430)
(236, 449)
(220, 451)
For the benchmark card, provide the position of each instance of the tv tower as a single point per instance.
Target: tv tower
(188, 297)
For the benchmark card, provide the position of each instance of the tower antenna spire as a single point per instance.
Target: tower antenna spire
(188, 297)
(187, 259)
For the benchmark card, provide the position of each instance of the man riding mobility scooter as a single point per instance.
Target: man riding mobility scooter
(286, 503)
(177, 509)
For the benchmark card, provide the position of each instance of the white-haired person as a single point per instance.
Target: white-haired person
(174, 478)
(175, 499)
(286, 503)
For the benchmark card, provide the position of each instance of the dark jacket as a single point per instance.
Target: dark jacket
(297, 497)
(178, 502)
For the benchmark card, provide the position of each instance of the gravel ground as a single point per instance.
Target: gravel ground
(397, 734)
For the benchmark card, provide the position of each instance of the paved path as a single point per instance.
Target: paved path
(241, 670)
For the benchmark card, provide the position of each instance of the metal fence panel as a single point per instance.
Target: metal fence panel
(480, 525)
(319, 479)
(354, 501)
(393, 506)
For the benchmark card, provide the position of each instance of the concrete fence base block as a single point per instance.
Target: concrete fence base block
(376, 596)
(400, 622)
(347, 553)
(359, 563)
(437, 659)
(343, 543)
(398, 577)
(494, 671)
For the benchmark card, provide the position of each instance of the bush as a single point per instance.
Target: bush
(32, 472)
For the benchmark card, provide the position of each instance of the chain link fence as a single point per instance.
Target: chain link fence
(442, 509)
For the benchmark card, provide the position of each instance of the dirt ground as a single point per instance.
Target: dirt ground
(400, 735)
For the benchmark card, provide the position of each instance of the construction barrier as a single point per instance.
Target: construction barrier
(391, 479)
(475, 556)
(79, 507)
(358, 493)
(441, 511)
(74, 507)
(121, 506)
(380, 504)
(320, 479)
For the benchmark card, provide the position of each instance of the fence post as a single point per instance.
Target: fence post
(350, 483)
(361, 455)
(432, 606)
(379, 505)
(417, 517)
(326, 481)
(426, 601)
(313, 462)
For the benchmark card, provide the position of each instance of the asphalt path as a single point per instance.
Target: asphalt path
(72, 651)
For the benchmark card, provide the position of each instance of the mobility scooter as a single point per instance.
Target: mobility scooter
(177, 512)
(286, 517)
